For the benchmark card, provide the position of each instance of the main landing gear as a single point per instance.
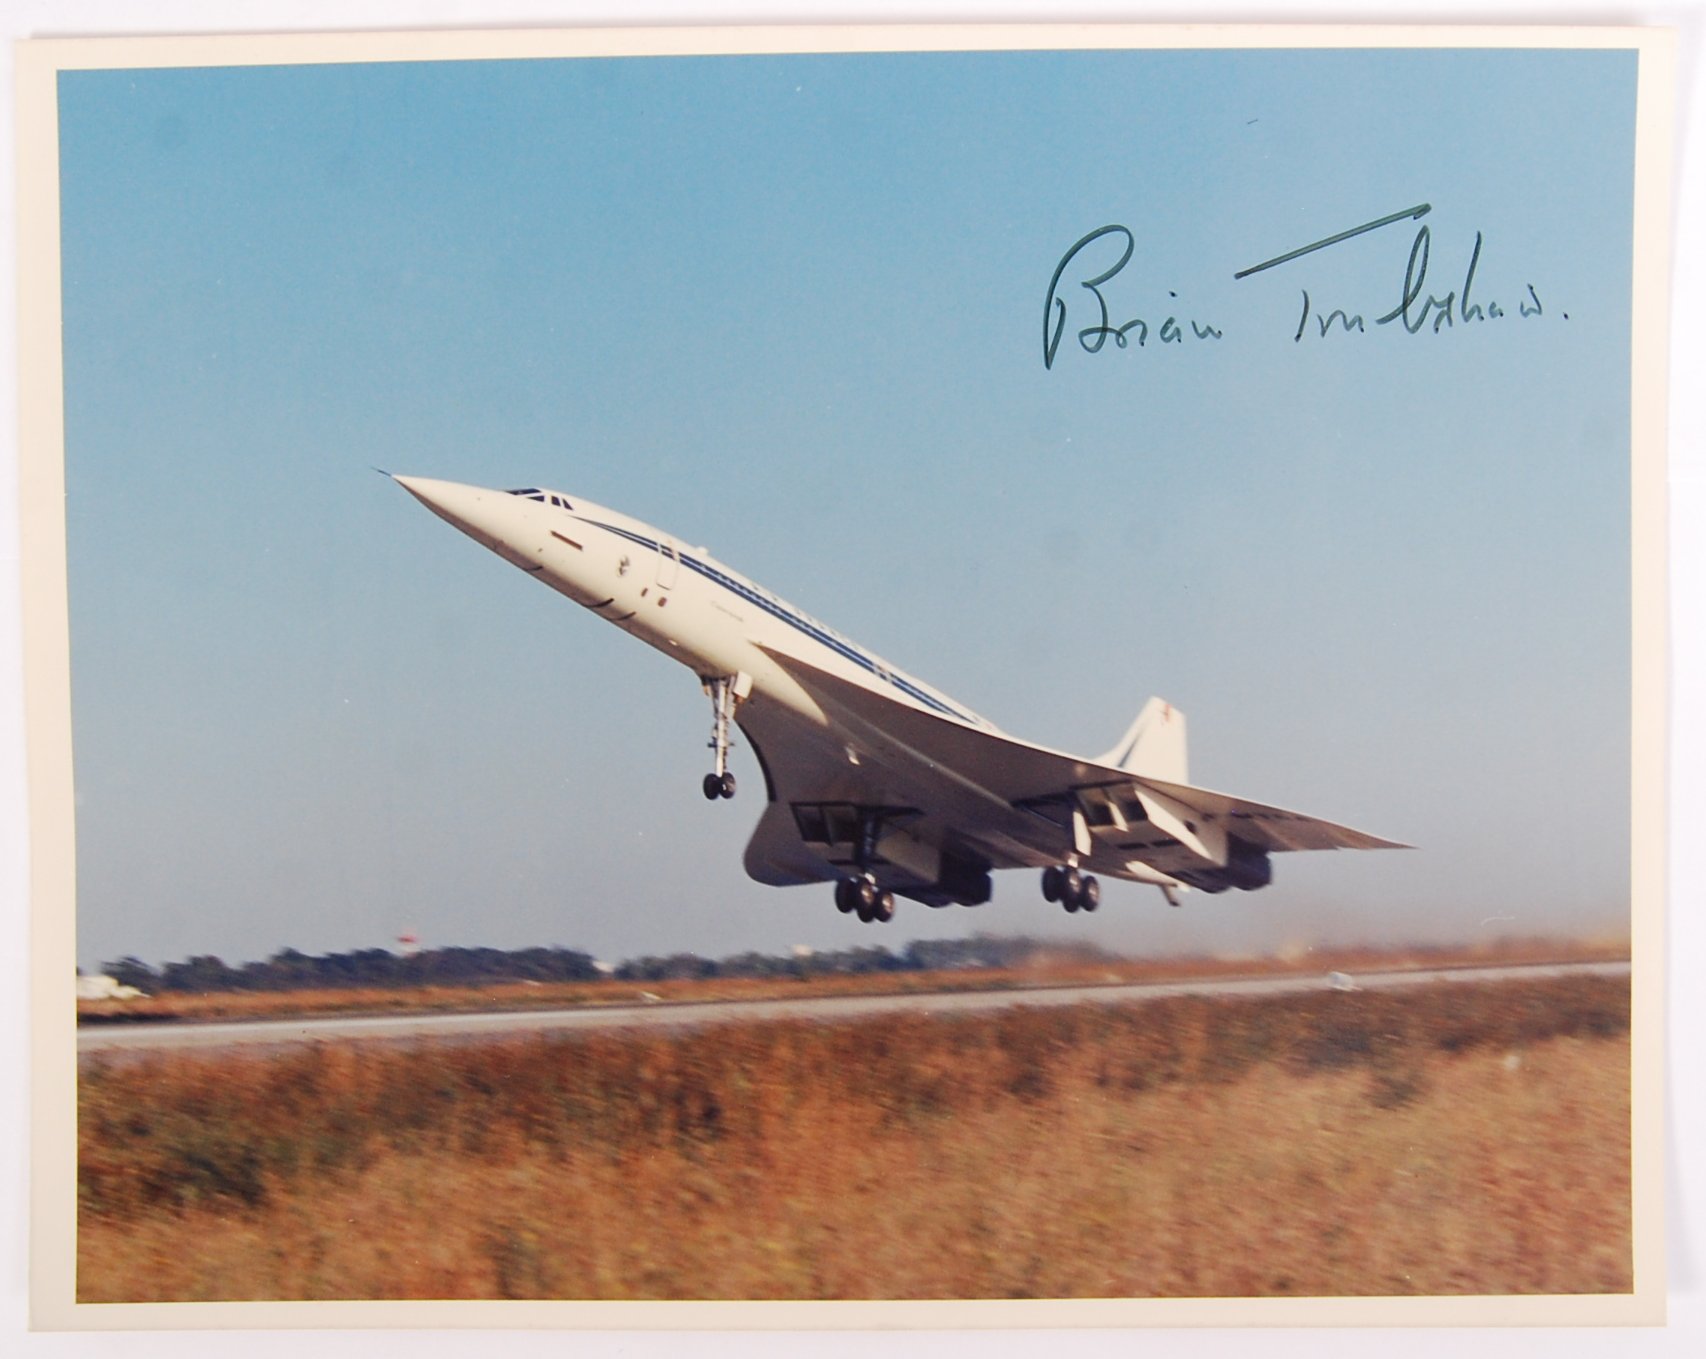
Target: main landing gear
(1072, 889)
(859, 892)
(861, 895)
(721, 688)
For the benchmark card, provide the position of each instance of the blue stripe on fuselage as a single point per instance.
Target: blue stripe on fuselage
(794, 620)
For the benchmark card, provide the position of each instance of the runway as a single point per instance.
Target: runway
(116, 1040)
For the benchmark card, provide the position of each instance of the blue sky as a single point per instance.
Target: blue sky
(791, 308)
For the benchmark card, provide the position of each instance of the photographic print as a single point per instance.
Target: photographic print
(1081, 740)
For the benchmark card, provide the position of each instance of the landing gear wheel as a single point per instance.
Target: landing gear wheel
(883, 908)
(844, 896)
(1079, 891)
(1051, 884)
(713, 787)
(726, 785)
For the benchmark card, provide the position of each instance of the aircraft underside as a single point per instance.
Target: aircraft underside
(881, 818)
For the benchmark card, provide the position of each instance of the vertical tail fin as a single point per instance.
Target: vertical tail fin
(1153, 745)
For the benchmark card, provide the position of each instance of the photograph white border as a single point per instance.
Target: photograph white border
(47, 676)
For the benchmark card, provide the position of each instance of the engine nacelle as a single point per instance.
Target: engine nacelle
(1247, 866)
(964, 879)
(960, 881)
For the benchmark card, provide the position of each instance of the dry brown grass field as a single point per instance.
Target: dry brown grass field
(1045, 970)
(1461, 1138)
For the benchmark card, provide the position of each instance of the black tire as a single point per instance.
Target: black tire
(1089, 893)
(865, 893)
(1051, 884)
(844, 896)
(713, 787)
(726, 785)
(1071, 883)
(883, 910)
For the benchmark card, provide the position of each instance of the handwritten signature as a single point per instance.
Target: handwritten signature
(1412, 311)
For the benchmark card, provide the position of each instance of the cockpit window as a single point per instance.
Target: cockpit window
(543, 497)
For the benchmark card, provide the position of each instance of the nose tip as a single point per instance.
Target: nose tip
(415, 486)
(486, 516)
(447, 499)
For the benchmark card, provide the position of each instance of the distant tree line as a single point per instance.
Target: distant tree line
(291, 970)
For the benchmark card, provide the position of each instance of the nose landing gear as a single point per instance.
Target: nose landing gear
(726, 692)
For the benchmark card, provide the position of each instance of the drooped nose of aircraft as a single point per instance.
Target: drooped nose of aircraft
(491, 518)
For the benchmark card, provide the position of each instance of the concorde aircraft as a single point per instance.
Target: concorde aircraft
(874, 780)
